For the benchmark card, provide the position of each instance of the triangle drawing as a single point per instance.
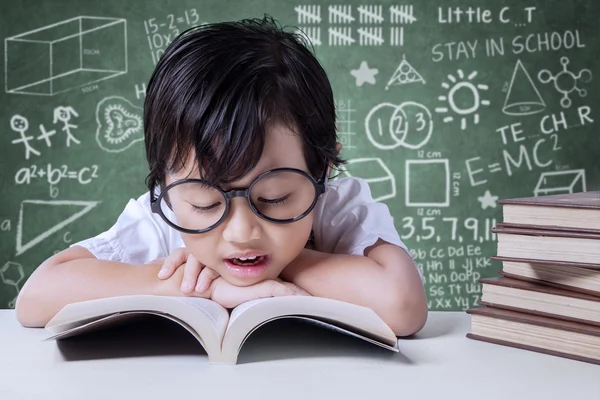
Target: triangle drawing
(522, 97)
(48, 216)
(404, 74)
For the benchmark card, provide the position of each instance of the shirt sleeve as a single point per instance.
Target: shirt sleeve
(348, 219)
(138, 236)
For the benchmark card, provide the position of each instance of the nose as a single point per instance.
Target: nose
(241, 225)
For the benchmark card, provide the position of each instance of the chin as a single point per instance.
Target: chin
(269, 274)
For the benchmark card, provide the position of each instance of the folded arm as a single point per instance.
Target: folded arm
(385, 280)
(76, 275)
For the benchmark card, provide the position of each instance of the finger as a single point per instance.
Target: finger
(191, 272)
(207, 275)
(172, 262)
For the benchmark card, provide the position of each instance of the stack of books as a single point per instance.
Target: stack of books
(547, 295)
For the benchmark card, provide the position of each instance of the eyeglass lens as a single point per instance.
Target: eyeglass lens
(280, 195)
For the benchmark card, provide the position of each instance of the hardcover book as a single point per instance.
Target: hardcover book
(567, 211)
(540, 299)
(576, 276)
(536, 333)
(539, 245)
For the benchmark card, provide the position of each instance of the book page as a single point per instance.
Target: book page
(116, 319)
(207, 318)
(339, 329)
(349, 318)
(213, 310)
(239, 310)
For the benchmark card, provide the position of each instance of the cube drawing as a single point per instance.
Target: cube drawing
(65, 55)
(374, 171)
(559, 182)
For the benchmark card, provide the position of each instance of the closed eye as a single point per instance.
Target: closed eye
(202, 209)
(280, 200)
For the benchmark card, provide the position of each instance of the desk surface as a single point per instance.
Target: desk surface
(284, 361)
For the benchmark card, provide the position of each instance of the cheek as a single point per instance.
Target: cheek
(289, 240)
(201, 246)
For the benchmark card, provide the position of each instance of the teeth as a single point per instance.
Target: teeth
(247, 261)
(248, 258)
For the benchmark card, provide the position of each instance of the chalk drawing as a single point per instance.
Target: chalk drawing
(12, 274)
(487, 200)
(404, 74)
(364, 74)
(560, 182)
(374, 171)
(46, 206)
(464, 85)
(119, 124)
(522, 98)
(40, 62)
(432, 170)
(20, 124)
(566, 81)
(389, 126)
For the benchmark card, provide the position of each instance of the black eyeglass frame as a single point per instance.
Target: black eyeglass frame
(319, 186)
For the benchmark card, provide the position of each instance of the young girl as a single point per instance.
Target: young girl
(240, 139)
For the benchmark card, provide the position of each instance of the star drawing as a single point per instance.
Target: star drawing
(487, 200)
(364, 74)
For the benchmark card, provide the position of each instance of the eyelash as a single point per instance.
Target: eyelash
(204, 209)
(281, 200)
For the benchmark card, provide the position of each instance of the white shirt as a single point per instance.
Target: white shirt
(346, 221)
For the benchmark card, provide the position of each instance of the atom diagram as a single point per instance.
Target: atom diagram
(566, 81)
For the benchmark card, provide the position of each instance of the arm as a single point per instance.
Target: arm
(385, 280)
(76, 275)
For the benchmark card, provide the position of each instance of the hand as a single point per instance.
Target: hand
(230, 296)
(195, 275)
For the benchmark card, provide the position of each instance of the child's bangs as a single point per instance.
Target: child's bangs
(226, 130)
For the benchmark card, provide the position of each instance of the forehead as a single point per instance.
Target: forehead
(283, 148)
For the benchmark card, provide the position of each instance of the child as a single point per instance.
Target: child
(240, 139)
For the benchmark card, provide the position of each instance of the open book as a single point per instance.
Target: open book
(220, 332)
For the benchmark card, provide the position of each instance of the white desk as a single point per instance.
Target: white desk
(308, 363)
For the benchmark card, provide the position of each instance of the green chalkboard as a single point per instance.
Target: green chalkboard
(443, 106)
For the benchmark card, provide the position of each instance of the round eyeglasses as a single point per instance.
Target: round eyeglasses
(281, 196)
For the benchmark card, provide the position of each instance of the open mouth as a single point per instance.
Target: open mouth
(246, 262)
(247, 267)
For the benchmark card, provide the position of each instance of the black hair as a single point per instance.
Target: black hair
(216, 88)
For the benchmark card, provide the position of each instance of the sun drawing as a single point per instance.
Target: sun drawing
(465, 85)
